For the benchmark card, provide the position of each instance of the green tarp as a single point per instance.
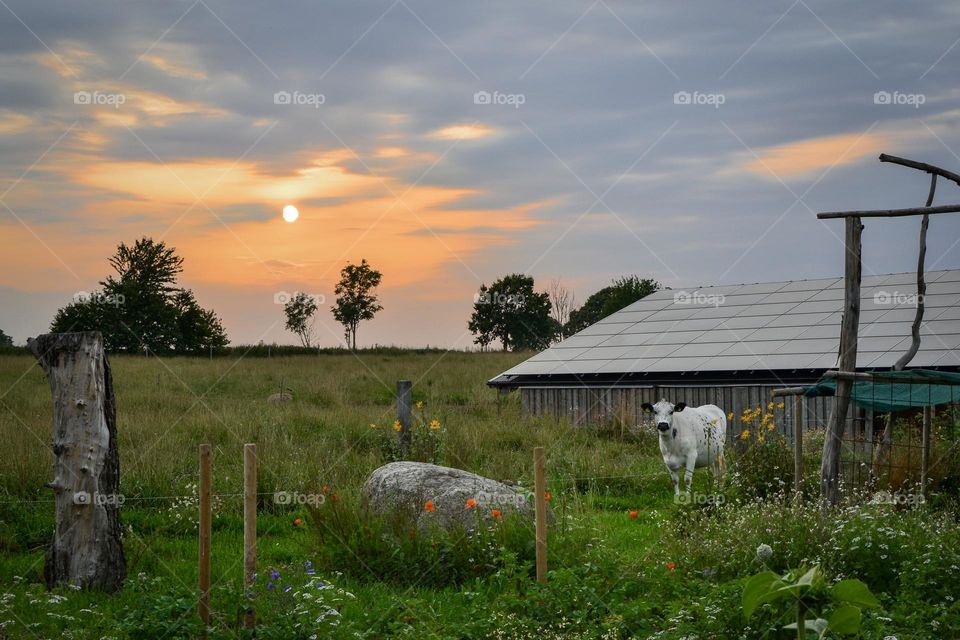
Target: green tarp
(930, 388)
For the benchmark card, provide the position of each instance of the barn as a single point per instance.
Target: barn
(731, 345)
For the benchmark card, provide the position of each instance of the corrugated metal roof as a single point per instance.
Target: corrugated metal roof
(771, 326)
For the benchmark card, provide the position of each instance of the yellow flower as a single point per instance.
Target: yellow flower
(397, 426)
(745, 434)
(434, 424)
(771, 427)
(780, 406)
(373, 426)
(420, 404)
(760, 438)
(770, 407)
(730, 417)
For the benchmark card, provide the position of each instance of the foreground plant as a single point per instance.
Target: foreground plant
(803, 587)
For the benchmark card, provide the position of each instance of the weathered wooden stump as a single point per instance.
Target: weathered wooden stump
(86, 549)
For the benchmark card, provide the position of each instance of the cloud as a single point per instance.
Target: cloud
(805, 157)
(462, 132)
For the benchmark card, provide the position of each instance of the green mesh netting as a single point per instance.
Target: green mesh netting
(931, 388)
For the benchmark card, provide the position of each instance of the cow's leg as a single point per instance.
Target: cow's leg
(676, 480)
(691, 464)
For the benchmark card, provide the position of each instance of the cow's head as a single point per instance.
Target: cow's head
(663, 413)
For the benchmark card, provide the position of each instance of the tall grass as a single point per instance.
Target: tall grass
(166, 407)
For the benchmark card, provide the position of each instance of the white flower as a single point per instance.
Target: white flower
(764, 552)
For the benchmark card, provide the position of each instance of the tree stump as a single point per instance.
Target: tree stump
(86, 549)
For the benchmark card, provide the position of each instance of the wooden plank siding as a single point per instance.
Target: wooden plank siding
(593, 406)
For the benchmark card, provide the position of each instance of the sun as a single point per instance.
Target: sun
(290, 213)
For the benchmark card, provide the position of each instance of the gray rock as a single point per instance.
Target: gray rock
(409, 485)
(279, 398)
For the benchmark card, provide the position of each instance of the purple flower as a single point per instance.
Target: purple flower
(287, 588)
(269, 585)
(308, 564)
(311, 572)
(275, 575)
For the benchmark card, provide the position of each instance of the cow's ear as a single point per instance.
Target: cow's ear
(646, 406)
(680, 406)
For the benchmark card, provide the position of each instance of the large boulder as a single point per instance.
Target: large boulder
(410, 485)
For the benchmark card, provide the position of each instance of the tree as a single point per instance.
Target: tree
(621, 293)
(5, 340)
(356, 300)
(562, 302)
(511, 311)
(300, 310)
(141, 307)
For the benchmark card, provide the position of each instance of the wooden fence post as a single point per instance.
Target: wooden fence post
(206, 482)
(925, 451)
(249, 525)
(540, 500)
(798, 444)
(86, 550)
(404, 413)
(847, 361)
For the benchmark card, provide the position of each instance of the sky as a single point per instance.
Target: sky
(451, 143)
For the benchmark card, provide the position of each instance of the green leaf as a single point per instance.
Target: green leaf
(756, 590)
(845, 620)
(854, 592)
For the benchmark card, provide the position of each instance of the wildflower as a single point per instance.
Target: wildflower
(373, 426)
(333, 497)
(764, 552)
(297, 522)
(470, 504)
(274, 575)
(397, 426)
(760, 438)
(428, 506)
(634, 515)
(780, 406)
(745, 434)
(434, 424)
(307, 564)
(730, 417)
(497, 514)
(419, 404)
(770, 407)
(671, 565)
(287, 588)
(547, 496)
(771, 427)
(324, 489)
(269, 585)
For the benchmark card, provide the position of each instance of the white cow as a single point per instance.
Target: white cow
(690, 437)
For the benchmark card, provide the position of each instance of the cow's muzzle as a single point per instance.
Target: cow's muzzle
(662, 426)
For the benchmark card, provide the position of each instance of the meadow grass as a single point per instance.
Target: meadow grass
(613, 574)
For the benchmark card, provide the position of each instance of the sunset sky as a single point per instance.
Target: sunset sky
(171, 119)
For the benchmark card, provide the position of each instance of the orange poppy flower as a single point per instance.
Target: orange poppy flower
(634, 514)
(429, 506)
(497, 514)
(471, 503)
(671, 565)
(324, 489)
(297, 522)
(547, 496)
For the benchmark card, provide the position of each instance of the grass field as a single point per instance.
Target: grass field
(613, 573)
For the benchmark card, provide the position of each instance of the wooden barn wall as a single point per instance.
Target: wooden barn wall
(593, 406)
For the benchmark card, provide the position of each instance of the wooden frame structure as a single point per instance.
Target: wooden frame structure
(847, 359)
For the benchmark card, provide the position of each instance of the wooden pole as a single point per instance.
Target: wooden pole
(847, 361)
(925, 450)
(540, 488)
(921, 166)
(86, 550)
(206, 518)
(404, 413)
(249, 525)
(798, 445)
(890, 213)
